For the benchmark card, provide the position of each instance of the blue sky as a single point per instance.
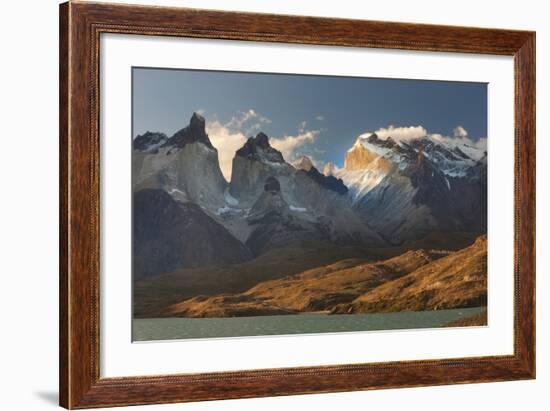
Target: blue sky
(318, 116)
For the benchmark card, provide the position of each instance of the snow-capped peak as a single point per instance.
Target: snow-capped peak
(454, 156)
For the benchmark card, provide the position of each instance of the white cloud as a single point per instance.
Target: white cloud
(460, 132)
(240, 118)
(200, 111)
(459, 136)
(319, 117)
(401, 133)
(289, 145)
(231, 136)
(464, 143)
(243, 120)
(480, 144)
(226, 142)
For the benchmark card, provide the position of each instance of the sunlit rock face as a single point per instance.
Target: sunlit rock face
(253, 164)
(406, 189)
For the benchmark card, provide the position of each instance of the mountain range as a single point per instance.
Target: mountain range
(389, 197)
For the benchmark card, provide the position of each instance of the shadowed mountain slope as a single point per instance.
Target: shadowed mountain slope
(170, 235)
(152, 296)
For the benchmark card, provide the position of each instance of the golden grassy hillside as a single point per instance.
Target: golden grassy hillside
(153, 295)
(318, 289)
(457, 280)
(302, 277)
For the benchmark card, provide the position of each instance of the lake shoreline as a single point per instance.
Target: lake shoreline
(306, 323)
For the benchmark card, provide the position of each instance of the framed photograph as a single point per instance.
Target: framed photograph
(259, 205)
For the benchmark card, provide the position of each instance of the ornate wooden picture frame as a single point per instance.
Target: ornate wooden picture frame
(81, 25)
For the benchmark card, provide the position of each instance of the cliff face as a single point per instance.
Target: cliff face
(253, 164)
(185, 166)
(318, 204)
(359, 157)
(407, 189)
(169, 235)
(276, 224)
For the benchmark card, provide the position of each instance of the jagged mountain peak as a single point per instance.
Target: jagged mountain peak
(452, 158)
(262, 140)
(373, 138)
(197, 120)
(149, 141)
(329, 182)
(197, 125)
(175, 163)
(194, 132)
(258, 148)
(362, 153)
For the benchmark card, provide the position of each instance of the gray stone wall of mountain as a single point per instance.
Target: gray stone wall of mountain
(389, 192)
(276, 224)
(169, 235)
(149, 142)
(257, 160)
(333, 210)
(312, 196)
(253, 164)
(186, 166)
(391, 210)
(457, 203)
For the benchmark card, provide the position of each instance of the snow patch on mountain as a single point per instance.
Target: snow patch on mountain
(223, 210)
(453, 156)
(360, 182)
(299, 209)
(373, 148)
(229, 199)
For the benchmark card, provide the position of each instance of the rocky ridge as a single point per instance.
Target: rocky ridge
(389, 192)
